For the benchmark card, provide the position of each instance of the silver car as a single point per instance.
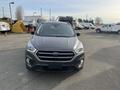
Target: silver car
(54, 45)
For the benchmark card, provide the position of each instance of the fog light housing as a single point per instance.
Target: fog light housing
(29, 62)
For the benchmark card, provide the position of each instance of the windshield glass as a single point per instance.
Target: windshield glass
(56, 30)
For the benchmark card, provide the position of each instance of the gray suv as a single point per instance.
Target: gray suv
(54, 45)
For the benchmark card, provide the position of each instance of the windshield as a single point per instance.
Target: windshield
(55, 30)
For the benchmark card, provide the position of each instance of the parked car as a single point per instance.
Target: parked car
(88, 25)
(78, 25)
(33, 20)
(108, 28)
(4, 27)
(67, 19)
(54, 45)
(91, 26)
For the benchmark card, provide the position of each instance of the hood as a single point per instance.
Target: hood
(54, 43)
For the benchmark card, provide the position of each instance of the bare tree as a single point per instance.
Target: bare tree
(98, 21)
(19, 13)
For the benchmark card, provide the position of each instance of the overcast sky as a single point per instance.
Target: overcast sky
(108, 10)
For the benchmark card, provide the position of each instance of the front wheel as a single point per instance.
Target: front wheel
(118, 32)
(98, 30)
(29, 68)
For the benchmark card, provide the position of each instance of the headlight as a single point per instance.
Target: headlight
(79, 50)
(30, 47)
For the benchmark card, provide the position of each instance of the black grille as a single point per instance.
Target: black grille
(55, 55)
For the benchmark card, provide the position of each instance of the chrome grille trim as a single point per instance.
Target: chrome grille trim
(55, 56)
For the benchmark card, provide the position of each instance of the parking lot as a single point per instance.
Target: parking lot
(101, 70)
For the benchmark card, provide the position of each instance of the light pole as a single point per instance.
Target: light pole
(50, 12)
(41, 11)
(10, 10)
(3, 11)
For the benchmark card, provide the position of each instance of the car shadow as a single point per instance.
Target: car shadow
(14, 75)
(48, 79)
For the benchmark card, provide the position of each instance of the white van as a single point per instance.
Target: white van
(4, 27)
(88, 25)
(78, 25)
(108, 28)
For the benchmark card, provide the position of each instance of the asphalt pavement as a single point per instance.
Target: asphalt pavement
(101, 70)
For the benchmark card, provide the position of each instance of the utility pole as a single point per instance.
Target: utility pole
(41, 12)
(50, 12)
(10, 10)
(87, 17)
(3, 11)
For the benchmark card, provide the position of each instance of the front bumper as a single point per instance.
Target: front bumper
(34, 61)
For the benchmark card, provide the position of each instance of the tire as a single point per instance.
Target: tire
(77, 68)
(118, 32)
(86, 28)
(98, 30)
(76, 28)
(29, 68)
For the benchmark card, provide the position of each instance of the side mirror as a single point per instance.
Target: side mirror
(32, 33)
(78, 34)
